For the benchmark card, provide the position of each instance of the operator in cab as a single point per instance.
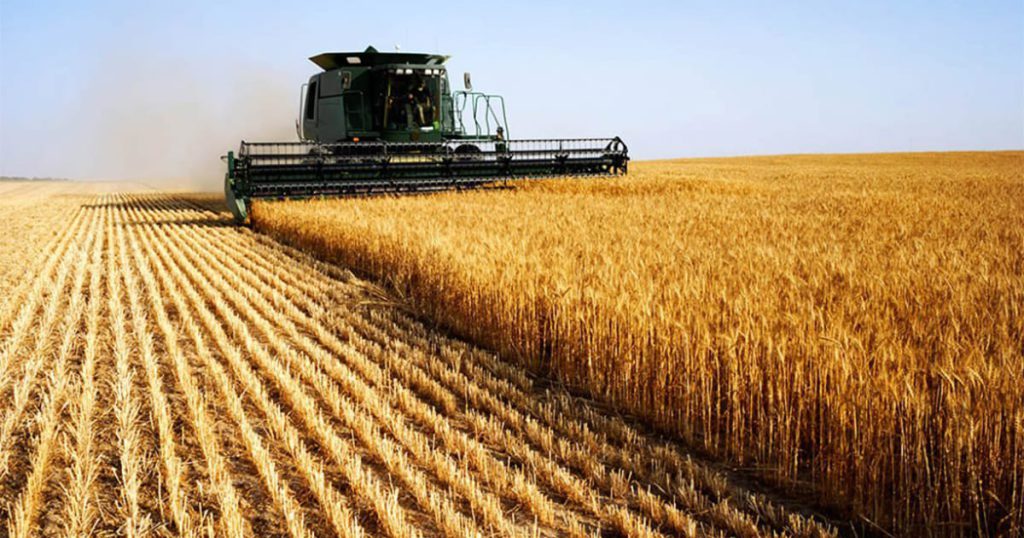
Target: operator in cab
(411, 105)
(424, 104)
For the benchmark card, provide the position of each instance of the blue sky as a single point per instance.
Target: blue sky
(122, 89)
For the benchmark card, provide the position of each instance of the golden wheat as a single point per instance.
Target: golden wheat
(849, 322)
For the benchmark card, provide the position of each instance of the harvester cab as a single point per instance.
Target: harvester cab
(393, 97)
(390, 122)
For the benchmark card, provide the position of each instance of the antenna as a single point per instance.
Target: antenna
(398, 47)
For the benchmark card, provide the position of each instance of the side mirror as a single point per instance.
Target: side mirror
(467, 81)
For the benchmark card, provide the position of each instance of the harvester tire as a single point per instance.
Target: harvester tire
(467, 152)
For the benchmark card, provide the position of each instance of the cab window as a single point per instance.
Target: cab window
(311, 101)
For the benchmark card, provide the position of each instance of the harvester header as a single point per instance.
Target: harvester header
(390, 122)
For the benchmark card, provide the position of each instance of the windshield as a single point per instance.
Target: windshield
(408, 101)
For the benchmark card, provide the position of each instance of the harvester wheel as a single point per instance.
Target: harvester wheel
(467, 152)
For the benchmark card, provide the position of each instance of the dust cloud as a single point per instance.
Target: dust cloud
(166, 122)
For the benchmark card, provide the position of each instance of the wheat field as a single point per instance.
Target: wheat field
(849, 325)
(165, 373)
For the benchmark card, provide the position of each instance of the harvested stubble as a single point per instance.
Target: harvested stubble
(852, 322)
(174, 375)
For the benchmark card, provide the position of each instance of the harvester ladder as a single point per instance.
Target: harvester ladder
(481, 102)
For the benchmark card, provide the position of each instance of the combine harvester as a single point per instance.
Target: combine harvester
(389, 122)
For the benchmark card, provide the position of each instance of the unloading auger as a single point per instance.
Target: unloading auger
(389, 122)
